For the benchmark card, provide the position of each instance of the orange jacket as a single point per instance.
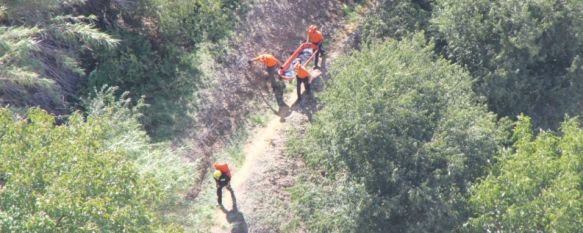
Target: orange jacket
(267, 59)
(224, 168)
(301, 72)
(315, 36)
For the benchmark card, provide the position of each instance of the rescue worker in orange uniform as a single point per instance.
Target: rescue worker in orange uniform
(302, 76)
(222, 177)
(278, 86)
(317, 38)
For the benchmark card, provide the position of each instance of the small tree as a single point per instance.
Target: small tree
(405, 131)
(536, 187)
(62, 179)
(525, 56)
(395, 19)
(98, 173)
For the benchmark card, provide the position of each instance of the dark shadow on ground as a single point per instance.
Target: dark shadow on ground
(307, 106)
(235, 217)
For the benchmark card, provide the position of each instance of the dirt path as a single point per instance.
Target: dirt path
(234, 87)
(254, 151)
(259, 184)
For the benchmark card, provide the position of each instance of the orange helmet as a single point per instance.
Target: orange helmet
(312, 28)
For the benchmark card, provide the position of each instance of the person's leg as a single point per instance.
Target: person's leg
(220, 194)
(307, 85)
(318, 54)
(299, 88)
(278, 88)
(271, 71)
(316, 59)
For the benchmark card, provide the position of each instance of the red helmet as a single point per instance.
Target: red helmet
(312, 28)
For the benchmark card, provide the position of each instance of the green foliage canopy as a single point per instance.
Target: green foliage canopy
(395, 19)
(63, 179)
(157, 55)
(53, 52)
(93, 174)
(405, 127)
(525, 56)
(535, 187)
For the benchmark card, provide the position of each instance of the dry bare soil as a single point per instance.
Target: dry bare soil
(260, 201)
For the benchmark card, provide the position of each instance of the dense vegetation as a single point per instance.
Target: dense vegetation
(535, 187)
(158, 54)
(404, 143)
(55, 51)
(95, 173)
(523, 55)
(40, 53)
(414, 135)
(395, 19)
(84, 162)
(405, 127)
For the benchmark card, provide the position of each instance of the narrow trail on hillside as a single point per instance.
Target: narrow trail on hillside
(260, 142)
(266, 171)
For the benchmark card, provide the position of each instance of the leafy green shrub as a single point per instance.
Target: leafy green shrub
(98, 173)
(173, 172)
(157, 56)
(406, 128)
(395, 19)
(535, 187)
(524, 55)
(48, 48)
(62, 179)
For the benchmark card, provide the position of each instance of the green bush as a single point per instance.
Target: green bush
(536, 186)
(62, 179)
(174, 173)
(395, 19)
(55, 52)
(98, 173)
(524, 55)
(157, 55)
(406, 128)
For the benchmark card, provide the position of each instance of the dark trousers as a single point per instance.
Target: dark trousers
(220, 192)
(320, 52)
(306, 82)
(277, 85)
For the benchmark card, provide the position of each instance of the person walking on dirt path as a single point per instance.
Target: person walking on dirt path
(278, 86)
(317, 38)
(222, 177)
(302, 76)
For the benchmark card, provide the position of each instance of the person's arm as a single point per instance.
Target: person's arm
(254, 59)
(307, 37)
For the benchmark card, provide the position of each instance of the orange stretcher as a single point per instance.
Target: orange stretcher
(303, 54)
